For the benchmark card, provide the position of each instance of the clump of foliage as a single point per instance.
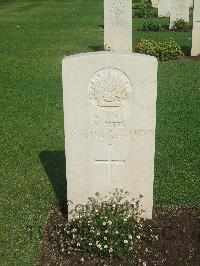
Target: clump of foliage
(141, 4)
(152, 26)
(164, 51)
(143, 9)
(104, 226)
(181, 25)
(147, 47)
(142, 13)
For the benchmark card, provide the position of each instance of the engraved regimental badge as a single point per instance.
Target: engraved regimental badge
(109, 89)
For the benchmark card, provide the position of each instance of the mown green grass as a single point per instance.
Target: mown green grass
(34, 37)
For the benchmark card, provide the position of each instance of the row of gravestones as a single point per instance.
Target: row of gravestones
(180, 9)
(110, 115)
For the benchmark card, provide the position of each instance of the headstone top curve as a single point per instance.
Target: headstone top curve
(102, 53)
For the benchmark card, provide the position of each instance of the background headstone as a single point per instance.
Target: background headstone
(118, 25)
(180, 9)
(154, 3)
(110, 119)
(196, 29)
(191, 3)
(163, 8)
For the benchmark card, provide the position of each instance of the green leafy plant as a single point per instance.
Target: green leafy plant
(152, 26)
(147, 47)
(181, 25)
(164, 51)
(144, 13)
(104, 226)
(141, 4)
(143, 9)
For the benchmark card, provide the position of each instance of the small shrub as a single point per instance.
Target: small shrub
(152, 26)
(169, 50)
(143, 9)
(141, 4)
(181, 25)
(142, 13)
(164, 51)
(104, 226)
(147, 47)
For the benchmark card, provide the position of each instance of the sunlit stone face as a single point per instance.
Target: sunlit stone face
(110, 118)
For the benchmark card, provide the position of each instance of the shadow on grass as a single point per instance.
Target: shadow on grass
(54, 165)
(186, 50)
(96, 48)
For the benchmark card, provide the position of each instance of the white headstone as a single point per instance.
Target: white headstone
(191, 3)
(180, 9)
(154, 3)
(110, 119)
(163, 8)
(118, 25)
(196, 29)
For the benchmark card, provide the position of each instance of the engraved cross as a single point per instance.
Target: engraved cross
(110, 162)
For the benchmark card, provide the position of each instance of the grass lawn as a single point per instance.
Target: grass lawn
(34, 37)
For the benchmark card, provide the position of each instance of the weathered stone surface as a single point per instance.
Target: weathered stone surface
(196, 29)
(180, 9)
(154, 3)
(163, 8)
(118, 25)
(109, 120)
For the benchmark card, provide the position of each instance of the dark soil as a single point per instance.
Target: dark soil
(187, 58)
(177, 241)
(162, 30)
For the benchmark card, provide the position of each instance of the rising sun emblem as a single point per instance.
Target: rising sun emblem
(109, 88)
